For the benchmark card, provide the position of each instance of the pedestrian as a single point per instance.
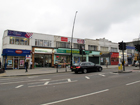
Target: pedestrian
(26, 66)
(106, 63)
(31, 65)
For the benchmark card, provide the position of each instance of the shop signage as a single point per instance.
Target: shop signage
(80, 41)
(38, 50)
(20, 34)
(18, 51)
(68, 51)
(15, 52)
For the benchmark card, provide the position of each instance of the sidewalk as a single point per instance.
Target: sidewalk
(40, 71)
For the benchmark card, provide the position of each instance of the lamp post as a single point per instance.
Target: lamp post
(72, 35)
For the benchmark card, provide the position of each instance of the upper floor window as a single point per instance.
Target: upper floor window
(104, 49)
(78, 46)
(19, 41)
(92, 47)
(114, 50)
(63, 44)
(46, 43)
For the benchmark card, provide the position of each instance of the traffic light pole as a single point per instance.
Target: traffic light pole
(123, 57)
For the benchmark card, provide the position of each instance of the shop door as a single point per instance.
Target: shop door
(15, 63)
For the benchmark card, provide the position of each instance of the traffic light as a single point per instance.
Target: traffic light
(120, 46)
(80, 50)
(137, 47)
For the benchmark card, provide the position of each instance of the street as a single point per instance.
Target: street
(96, 88)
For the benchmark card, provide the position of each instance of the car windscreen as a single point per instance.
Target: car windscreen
(76, 64)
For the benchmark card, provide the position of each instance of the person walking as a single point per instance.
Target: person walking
(26, 66)
(106, 63)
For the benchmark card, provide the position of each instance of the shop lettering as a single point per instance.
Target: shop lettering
(18, 51)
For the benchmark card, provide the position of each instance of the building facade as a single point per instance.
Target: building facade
(45, 50)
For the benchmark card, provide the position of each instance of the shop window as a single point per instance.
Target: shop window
(26, 41)
(19, 41)
(78, 46)
(92, 47)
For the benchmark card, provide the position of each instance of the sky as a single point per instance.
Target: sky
(115, 20)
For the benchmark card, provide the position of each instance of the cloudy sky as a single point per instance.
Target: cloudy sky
(115, 20)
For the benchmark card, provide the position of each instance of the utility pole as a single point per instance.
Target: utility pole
(72, 36)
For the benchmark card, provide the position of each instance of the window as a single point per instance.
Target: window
(63, 44)
(104, 49)
(11, 40)
(19, 41)
(78, 46)
(113, 49)
(46, 43)
(41, 43)
(92, 47)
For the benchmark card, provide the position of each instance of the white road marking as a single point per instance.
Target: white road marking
(33, 77)
(102, 75)
(22, 81)
(133, 83)
(55, 102)
(19, 86)
(87, 77)
(53, 83)
(69, 80)
(46, 83)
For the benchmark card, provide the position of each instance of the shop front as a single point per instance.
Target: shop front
(42, 57)
(63, 56)
(14, 58)
(114, 58)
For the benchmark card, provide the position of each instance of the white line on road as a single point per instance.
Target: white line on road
(87, 77)
(133, 83)
(102, 75)
(46, 83)
(53, 83)
(55, 102)
(33, 77)
(19, 86)
(69, 80)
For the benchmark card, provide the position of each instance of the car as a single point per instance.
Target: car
(85, 67)
(136, 63)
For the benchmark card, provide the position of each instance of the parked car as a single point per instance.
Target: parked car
(136, 63)
(85, 67)
(2, 70)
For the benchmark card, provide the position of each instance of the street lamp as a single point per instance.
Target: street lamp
(72, 35)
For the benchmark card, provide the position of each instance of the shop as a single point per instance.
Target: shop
(63, 56)
(105, 58)
(114, 56)
(42, 57)
(14, 58)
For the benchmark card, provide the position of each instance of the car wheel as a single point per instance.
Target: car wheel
(85, 71)
(99, 69)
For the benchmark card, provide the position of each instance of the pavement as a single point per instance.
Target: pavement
(41, 71)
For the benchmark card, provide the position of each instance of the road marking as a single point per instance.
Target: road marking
(33, 77)
(69, 80)
(46, 83)
(53, 83)
(22, 81)
(19, 86)
(87, 77)
(133, 83)
(102, 75)
(55, 102)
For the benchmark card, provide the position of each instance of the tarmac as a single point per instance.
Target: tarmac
(41, 71)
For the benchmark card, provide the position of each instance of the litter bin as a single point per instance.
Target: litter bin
(120, 67)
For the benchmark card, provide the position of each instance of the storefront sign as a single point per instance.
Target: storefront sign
(20, 34)
(15, 52)
(38, 50)
(68, 51)
(65, 39)
(18, 51)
